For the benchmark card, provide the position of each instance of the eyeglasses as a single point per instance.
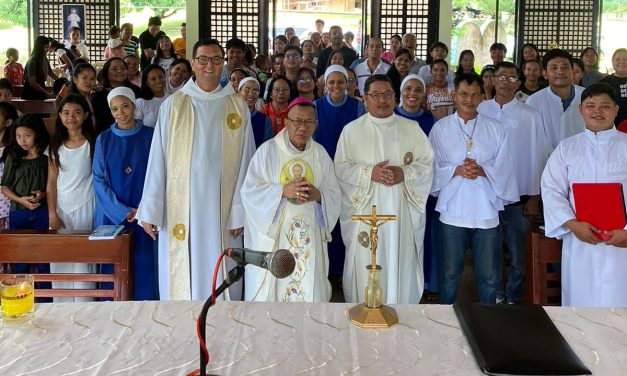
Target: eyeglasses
(301, 123)
(292, 56)
(305, 80)
(247, 90)
(503, 78)
(465, 95)
(280, 90)
(204, 60)
(384, 95)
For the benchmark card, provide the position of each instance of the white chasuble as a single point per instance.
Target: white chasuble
(592, 275)
(273, 222)
(362, 144)
(210, 179)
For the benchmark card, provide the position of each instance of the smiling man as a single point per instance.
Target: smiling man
(558, 104)
(593, 270)
(383, 159)
(201, 148)
(292, 201)
(473, 180)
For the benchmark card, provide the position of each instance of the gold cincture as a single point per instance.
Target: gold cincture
(373, 313)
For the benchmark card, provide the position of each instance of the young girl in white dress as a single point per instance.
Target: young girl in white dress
(70, 194)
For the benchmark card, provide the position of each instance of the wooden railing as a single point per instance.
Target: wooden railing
(63, 246)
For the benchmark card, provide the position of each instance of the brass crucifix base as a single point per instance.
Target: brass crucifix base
(364, 317)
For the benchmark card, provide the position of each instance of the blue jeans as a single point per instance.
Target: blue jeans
(514, 227)
(454, 242)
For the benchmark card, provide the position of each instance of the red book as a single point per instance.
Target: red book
(600, 204)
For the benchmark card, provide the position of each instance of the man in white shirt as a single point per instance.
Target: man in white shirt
(593, 270)
(529, 152)
(473, 180)
(558, 103)
(372, 65)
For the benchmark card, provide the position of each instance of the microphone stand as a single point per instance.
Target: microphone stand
(233, 276)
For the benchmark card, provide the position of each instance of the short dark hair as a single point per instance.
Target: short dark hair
(184, 24)
(435, 45)
(579, 63)
(271, 86)
(531, 61)
(498, 46)
(469, 79)
(554, 54)
(282, 38)
(506, 64)
(294, 48)
(5, 84)
(206, 42)
(583, 52)
(184, 62)
(599, 89)
(319, 21)
(236, 43)
(154, 20)
(438, 61)
(374, 78)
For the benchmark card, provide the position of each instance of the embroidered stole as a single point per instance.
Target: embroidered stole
(179, 156)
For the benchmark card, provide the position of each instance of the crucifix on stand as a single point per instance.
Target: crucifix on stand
(373, 313)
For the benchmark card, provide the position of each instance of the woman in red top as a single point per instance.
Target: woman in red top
(279, 98)
(13, 71)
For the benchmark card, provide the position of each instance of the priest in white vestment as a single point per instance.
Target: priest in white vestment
(558, 103)
(593, 271)
(292, 201)
(201, 148)
(473, 180)
(529, 153)
(383, 159)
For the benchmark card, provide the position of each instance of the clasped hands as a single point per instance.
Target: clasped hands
(33, 201)
(300, 190)
(469, 169)
(388, 175)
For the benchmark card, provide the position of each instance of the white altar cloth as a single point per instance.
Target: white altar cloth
(159, 338)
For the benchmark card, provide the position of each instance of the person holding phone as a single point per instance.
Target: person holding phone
(148, 40)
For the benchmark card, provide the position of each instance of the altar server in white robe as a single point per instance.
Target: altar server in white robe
(383, 159)
(558, 103)
(529, 153)
(292, 201)
(473, 180)
(200, 151)
(593, 271)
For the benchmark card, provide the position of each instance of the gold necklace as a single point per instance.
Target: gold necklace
(468, 137)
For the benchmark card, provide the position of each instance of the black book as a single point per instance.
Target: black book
(517, 340)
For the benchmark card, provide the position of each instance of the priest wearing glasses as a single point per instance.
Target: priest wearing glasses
(200, 151)
(473, 180)
(385, 160)
(292, 201)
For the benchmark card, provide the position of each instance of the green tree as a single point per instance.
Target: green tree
(13, 11)
(161, 8)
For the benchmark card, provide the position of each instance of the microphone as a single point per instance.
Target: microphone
(280, 263)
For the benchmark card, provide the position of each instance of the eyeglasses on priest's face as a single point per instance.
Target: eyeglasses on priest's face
(204, 60)
(302, 123)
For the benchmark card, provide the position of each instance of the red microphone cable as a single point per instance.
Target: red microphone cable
(213, 299)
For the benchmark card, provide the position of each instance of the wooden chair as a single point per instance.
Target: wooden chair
(30, 246)
(49, 123)
(543, 274)
(32, 106)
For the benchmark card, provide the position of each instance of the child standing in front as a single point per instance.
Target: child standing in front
(24, 180)
(70, 194)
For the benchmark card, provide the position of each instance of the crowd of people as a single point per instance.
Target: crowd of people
(225, 147)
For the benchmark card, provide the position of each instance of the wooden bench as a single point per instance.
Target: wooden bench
(65, 246)
(16, 90)
(33, 106)
(543, 275)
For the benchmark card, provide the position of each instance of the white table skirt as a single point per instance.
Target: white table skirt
(159, 338)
